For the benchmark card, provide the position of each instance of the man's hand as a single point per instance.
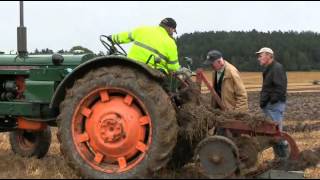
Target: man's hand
(185, 71)
(110, 38)
(113, 49)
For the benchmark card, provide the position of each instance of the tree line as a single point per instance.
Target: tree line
(73, 50)
(297, 51)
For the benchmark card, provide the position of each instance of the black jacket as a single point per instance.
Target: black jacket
(274, 88)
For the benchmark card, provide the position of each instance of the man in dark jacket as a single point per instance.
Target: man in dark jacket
(273, 94)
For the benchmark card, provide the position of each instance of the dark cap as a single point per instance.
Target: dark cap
(212, 56)
(169, 22)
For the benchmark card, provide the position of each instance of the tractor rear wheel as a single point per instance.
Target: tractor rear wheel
(117, 123)
(30, 143)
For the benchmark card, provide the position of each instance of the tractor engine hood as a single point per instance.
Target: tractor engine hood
(44, 60)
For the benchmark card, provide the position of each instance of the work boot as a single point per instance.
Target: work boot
(284, 149)
(281, 150)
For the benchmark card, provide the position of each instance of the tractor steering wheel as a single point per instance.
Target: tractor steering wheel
(111, 46)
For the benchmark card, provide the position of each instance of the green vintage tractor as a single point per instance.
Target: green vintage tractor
(114, 118)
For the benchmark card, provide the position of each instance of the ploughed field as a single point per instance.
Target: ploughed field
(302, 121)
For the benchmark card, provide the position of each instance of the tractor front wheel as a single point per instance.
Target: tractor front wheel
(30, 143)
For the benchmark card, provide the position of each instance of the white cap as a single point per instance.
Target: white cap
(265, 49)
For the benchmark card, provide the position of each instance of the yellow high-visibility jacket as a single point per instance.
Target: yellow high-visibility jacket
(151, 44)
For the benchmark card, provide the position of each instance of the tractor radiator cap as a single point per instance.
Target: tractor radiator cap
(57, 59)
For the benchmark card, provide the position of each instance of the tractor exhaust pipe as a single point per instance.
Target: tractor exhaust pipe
(22, 34)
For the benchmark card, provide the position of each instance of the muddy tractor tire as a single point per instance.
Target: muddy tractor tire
(115, 123)
(30, 144)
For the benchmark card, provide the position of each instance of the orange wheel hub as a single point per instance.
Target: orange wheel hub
(111, 130)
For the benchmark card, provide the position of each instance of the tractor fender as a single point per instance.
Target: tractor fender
(103, 61)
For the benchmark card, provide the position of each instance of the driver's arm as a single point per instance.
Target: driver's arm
(172, 53)
(122, 38)
(126, 37)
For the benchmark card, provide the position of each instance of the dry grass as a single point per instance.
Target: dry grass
(53, 166)
(299, 122)
(293, 77)
(297, 81)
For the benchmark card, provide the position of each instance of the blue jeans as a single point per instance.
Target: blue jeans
(276, 113)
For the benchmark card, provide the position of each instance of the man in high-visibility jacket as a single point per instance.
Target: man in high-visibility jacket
(153, 45)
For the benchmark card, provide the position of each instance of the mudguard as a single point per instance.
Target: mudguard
(98, 62)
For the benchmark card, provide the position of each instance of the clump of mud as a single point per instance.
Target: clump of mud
(310, 158)
(302, 127)
(190, 171)
(196, 118)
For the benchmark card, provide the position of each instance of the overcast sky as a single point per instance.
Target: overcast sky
(62, 25)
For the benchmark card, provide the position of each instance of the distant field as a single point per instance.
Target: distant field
(297, 81)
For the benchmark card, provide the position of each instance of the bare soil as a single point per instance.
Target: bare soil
(302, 119)
(300, 106)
